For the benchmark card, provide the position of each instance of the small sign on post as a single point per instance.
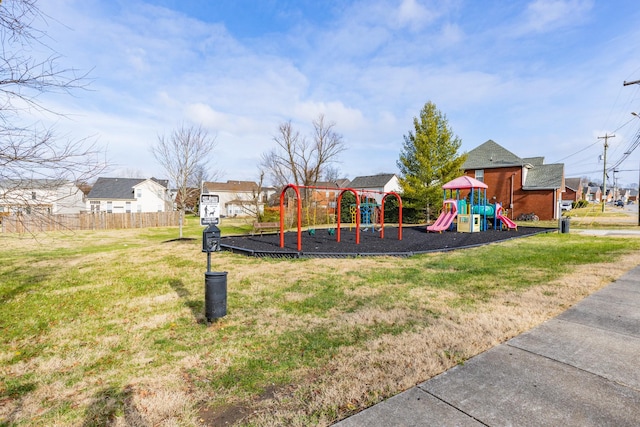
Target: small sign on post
(209, 209)
(215, 283)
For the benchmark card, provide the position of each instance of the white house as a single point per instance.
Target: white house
(381, 183)
(121, 195)
(239, 198)
(40, 196)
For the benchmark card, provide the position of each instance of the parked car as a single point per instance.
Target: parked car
(619, 203)
(566, 205)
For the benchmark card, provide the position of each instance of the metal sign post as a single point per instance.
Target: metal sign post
(215, 283)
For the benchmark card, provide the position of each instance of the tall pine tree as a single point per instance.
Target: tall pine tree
(429, 159)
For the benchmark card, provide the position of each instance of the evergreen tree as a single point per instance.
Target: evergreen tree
(428, 160)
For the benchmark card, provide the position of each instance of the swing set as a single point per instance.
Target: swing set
(341, 192)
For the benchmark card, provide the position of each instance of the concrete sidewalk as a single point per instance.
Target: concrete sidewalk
(581, 368)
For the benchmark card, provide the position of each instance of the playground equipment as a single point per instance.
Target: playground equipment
(369, 216)
(471, 214)
(448, 214)
(507, 222)
(340, 192)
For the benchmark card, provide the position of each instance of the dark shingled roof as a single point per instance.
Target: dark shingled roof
(573, 183)
(491, 155)
(371, 181)
(534, 161)
(118, 188)
(114, 188)
(544, 177)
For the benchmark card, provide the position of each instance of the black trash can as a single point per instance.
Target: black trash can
(215, 294)
(564, 225)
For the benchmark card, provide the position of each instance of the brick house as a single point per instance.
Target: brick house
(592, 194)
(522, 185)
(574, 189)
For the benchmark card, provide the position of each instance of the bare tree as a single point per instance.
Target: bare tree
(30, 154)
(184, 156)
(331, 174)
(253, 206)
(299, 160)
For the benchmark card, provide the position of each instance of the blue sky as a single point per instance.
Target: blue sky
(540, 77)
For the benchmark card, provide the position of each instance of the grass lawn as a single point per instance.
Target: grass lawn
(108, 328)
(593, 217)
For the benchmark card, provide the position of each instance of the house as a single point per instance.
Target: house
(574, 189)
(191, 198)
(40, 196)
(122, 195)
(522, 185)
(239, 198)
(592, 194)
(381, 183)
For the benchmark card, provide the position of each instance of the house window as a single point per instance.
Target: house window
(138, 193)
(480, 175)
(128, 207)
(109, 207)
(95, 206)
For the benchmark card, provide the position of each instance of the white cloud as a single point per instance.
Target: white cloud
(548, 15)
(414, 15)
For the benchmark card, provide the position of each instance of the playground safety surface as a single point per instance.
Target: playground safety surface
(415, 240)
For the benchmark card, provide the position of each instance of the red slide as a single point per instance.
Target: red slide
(446, 216)
(506, 221)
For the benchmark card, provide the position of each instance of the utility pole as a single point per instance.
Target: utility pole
(604, 171)
(635, 82)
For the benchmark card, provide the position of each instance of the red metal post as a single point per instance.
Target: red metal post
(299, 210)
(399, 214)
(355, 193)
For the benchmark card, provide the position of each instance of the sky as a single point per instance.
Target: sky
(539, 77)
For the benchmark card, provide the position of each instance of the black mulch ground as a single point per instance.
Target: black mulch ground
(415, 240)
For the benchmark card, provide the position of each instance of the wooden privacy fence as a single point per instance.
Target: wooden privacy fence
(87, 221)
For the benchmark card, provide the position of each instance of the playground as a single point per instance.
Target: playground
(415, 240)
(466, 220)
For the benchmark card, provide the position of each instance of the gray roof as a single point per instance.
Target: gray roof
(573, 183)
(491, 155)
(119, 188)
(544, 177)
(371, 181)
(343, 182)
(32, 184)
(534, 161)
(114, 188)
